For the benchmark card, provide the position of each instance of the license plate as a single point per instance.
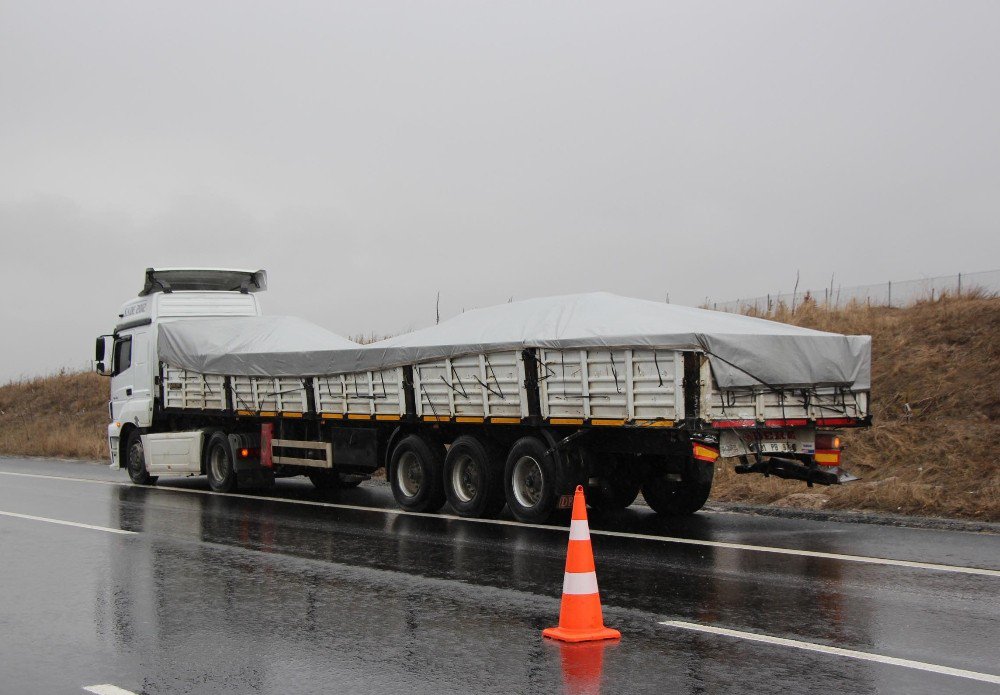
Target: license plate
(736, 443)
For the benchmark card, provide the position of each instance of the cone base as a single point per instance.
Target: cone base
(566, 635)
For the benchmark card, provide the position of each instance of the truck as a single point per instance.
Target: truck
(504, 407)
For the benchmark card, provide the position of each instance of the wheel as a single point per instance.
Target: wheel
(667, 495)
(135, 460)
(220, 464)
(331, 480)
(530, 481)
(416, 472)
(619, 486)
(473, 479)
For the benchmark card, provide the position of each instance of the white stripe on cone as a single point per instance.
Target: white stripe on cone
(580, 583)
(579, 530)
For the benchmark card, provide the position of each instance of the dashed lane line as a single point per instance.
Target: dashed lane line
(62, 522)
(107, 689)
(835, 651)
(890, 562)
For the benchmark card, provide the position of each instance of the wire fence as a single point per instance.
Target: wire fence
(890, 293)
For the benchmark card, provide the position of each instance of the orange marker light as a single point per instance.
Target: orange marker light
(244, 452)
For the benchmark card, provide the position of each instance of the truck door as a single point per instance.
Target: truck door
(121, 374)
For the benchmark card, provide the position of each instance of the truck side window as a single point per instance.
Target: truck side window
(123, 355)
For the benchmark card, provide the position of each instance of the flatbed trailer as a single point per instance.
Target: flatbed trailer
(481, 429)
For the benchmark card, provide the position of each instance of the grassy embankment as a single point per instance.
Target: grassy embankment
(932, 450)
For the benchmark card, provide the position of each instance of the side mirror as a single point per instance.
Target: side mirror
(102, 354)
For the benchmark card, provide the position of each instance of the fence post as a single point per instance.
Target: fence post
(959, 284)
(890, 294)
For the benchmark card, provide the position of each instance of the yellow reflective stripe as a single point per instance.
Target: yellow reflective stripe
(267, 413)
(566, 421)
(358, 416)
(469, 418)
(505, 420)
(291, 414)
(607, 423)
(654, 423)
(244, 413)
(386, 417)
(828, 457)
(436, 418)
(332, 416)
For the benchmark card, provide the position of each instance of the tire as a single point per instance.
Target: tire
(530, 481)
(416, 474)
(679, 497)
(619, 487)
(331, 480)
(135, 460)
(220, 463)
(473, 479)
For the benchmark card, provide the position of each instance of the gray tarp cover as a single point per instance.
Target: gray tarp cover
(743, 351)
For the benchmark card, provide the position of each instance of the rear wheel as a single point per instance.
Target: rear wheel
(530, 481)
(473, 478)
(220, 464)
(416, 472)
(619, 484)
(135, 460)
(679, 494)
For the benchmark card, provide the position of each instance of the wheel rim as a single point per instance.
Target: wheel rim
(465, 479)
(409, 474)
(526, 481)
(136, 464)
(218, 463)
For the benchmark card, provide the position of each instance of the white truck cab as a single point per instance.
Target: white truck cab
(129, 355)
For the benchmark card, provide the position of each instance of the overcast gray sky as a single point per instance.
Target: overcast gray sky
(371, 154)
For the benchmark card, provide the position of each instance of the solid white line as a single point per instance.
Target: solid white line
(107, 689)
(836, 651)
(68, 523)
(910, 564)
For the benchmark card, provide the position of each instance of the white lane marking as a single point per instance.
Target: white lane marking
(68, 523)
(910, 564)
(836, 651)
(107, 689)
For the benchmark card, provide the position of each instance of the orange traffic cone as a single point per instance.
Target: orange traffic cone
(580, 617)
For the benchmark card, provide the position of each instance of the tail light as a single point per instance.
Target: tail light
(828, 449)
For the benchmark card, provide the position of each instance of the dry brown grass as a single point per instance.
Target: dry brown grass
(936, 402)
(61, 415)
(932, 450)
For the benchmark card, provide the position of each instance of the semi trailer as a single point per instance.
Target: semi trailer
(510, 406)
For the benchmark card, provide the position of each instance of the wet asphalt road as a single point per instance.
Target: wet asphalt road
(294, 594)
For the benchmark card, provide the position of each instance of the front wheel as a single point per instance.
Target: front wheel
(135, 460)
(221, 467)
(415, 474)
(530, 481)
(679, 494)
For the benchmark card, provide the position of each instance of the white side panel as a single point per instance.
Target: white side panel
(619, 384)
(503, 374)
(173, 452)
(387, 389)
(190, 390)
(280, 394)
(330, 397)
(560, 376)
(432, 389)
(657, 386)
(357, 389)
